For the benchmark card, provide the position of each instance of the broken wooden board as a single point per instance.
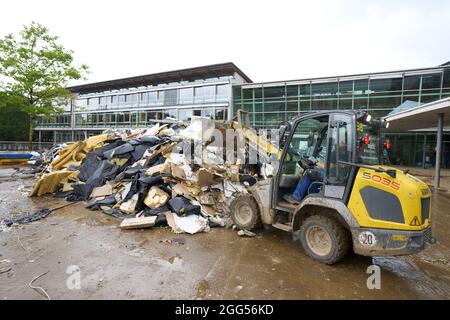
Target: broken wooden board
(136, 223)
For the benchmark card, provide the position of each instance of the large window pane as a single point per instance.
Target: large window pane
(380, 86)
(275, 93)
(274, 119)
(388, 102)
(446, 83)
(247, 94)
(345, 103)
(274, 106)
(431, 87)
(121, 100)
(361, 87)
(223, 92)
(360, 103)
(346, 88)
(185, 115)
(221, 114)
(208, 113)
(237, 92)
(324, 96)
(152, 98)
(170, 113)
(186, 96)
(170, 97)
(292, 105)
(292, 91)
(258, 93)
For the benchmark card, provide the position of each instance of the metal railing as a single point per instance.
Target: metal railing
(23, 145)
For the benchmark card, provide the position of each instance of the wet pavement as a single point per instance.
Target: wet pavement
(145, 264)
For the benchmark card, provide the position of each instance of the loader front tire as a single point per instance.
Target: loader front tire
(244, 213)
(324, 239)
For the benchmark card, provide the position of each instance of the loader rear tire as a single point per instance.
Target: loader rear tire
(324, 239)
(245, 213)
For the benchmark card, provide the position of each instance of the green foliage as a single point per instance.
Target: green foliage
(13, 122)
(38, 69)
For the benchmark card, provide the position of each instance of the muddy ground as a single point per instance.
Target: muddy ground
(139, 264)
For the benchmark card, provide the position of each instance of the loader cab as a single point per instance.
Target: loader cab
(328, 140)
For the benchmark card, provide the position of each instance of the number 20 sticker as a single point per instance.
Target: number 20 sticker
(367, 239)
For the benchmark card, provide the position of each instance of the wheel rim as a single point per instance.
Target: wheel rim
(318, 240)
(244, 214)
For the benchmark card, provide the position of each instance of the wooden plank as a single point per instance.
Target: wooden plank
(141, 222)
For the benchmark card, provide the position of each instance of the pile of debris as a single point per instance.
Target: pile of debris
(151, 177)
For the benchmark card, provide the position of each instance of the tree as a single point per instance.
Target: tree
(37, 69)
(13, 121)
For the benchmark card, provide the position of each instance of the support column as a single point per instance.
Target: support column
(437, 173)
(424, 150)
(40, 140)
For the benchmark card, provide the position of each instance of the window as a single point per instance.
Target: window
(274, 106)
(170, 97)
(126, 117)
(431, 87)
(367, 144)
(324, 96)
(170, 113)
(102, 102)
(446, 83)
(292, 92)
(143, 98)
(306, 142)
(237, 92)
(142, 117)
(80, 104)
(292, 105)
(122, 99)
(275, 93)
(152, 98)
(341, 145)
(185, 115)
(221, 114)
(223, 92)
(119, 117)
(133, 118)
(153, 115)
(248, 94)
(209, 93)
(186, 95)
(381, 86)
(111, 101)
(208, 113)
(205, 94)
(101, 119)
(160, 97)
(361, 87)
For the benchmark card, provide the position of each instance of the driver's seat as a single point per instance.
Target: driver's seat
(288, 181)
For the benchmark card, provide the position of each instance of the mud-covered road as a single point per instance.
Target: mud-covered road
(144, 264)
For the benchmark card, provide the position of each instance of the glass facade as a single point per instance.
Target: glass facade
(272, 103)
(134, 109)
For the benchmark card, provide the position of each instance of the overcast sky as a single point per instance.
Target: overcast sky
(268, 40)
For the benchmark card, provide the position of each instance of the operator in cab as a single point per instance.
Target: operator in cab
(314, 174)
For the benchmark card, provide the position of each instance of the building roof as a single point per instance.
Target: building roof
(420, 117)
(189, 74)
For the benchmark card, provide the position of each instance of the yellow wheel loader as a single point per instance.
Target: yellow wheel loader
(349, 200)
